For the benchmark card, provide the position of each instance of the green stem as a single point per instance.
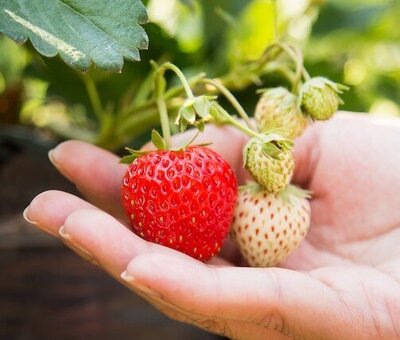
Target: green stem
(281, 68)
(268, 54)
(242, 128)
(297, 58)
(159, 86)
(232, 121)
(94, 97)
(231, 98)
(171, 93)
(181, 76)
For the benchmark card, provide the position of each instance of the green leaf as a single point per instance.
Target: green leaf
(254, 31)
(128, 159)
(245, 151)
(200, 125)
(272, 150)
(157, 140)
(202, 106)
(137, 153)
(183, 125)
(250, 186)
(292, 193)
(188, 114)
(81, 32)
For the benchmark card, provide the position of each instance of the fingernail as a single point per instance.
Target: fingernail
(25, 215)
(126, 277)
(63, 234)
(83, 252)
(51, 158)
(139, 286)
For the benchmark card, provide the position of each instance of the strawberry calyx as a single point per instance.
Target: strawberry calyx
(159, 143)
(157, 140)
(273, 145)
(193, 112)
(321, 83)
(251, 186)
(293, 193)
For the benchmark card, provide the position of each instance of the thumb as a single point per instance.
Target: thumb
(276, 299)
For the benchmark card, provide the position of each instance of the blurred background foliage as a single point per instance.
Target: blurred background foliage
(353, 42)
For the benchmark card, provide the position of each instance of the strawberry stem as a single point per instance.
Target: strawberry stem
(169, 66)
(159, 88)
(297, 57)
(231, 98)
(232, 121)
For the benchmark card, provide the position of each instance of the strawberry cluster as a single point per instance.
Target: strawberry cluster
(188, 199)
(272, 216)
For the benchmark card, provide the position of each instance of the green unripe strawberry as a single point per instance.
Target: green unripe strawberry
(320, 98)
(278, 109)
(269, 160)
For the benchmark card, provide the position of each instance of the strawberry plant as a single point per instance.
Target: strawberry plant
(185, 197)
(181, 198)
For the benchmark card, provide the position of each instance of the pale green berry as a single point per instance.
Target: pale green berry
(270, 164)
(278, 109)
(320, 98)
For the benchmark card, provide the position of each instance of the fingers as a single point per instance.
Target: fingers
(96, 173)
(108, 241)
(268, 297)
(85, 228)
(49, 210)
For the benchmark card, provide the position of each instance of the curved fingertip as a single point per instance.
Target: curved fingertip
(25, 215)
(126, 277)
(81, 163)
(87, 219)
(167, 273)
(49, 209)
(56, 155)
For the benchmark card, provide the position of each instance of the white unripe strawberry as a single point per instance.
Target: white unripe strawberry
(269, 227)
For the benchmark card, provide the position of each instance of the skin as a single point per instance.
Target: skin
(342, 283)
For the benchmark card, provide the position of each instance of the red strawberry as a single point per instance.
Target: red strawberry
(181, 199)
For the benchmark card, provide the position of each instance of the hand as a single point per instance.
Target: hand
(342, 283)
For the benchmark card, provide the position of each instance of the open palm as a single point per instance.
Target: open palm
(342, 283)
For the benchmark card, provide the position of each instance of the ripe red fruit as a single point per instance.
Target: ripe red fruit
(181, 199)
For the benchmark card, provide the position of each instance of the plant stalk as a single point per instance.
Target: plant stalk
(94, 97)
(159, 87)
(231, 98)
